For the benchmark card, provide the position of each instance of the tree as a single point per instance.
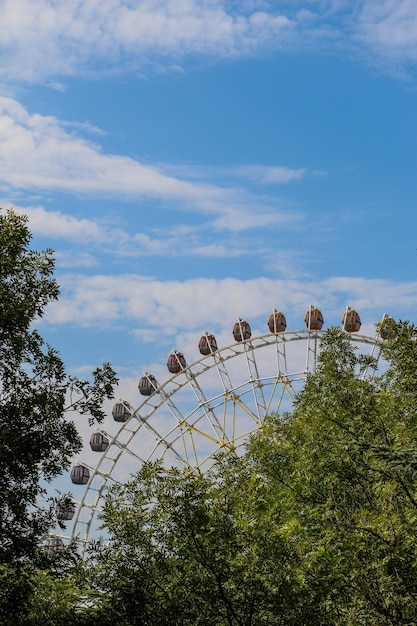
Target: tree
(345, 461)
(37, 440)
(314, 524)
(189, 549)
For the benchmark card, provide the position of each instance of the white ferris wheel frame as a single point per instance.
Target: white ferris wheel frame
(211, 417)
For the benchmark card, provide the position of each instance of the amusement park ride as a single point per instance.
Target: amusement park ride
(203, 408)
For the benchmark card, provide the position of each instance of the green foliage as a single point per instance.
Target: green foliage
(342, 459)
(315, 524)
(190, 549)
(31, 596)
(37, 440)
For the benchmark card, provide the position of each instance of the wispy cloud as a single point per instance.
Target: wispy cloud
(40, 153)
(103, 237)
(72, 38)
(277, 174)
(72, 260)
(82, 38)
(216, 303)
(385, 33)
(63, 226)
(390, 26)
(263, 174)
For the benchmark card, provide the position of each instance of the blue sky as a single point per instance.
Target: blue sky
(192, 161)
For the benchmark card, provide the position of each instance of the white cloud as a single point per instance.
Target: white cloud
(390, 26)
(82, 38)
(39, 153)
(72, 259)
(71, 38)
(103, 237)
(277, 174)
(147, 304)
(57, 224)
(235, 219)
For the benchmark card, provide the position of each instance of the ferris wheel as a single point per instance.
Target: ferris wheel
(203, 409)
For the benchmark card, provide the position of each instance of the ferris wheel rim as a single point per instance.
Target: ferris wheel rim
(178, 381)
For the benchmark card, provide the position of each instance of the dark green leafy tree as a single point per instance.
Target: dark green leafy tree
(37, 440)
